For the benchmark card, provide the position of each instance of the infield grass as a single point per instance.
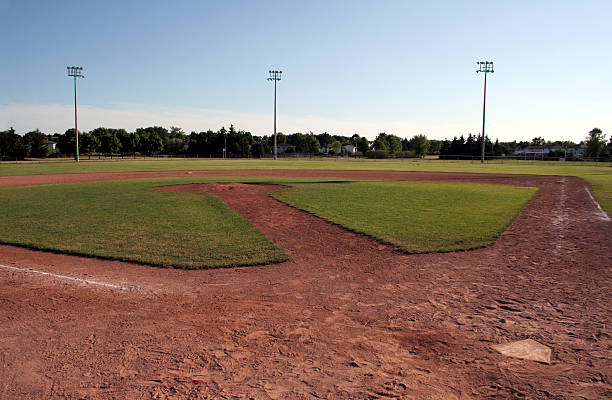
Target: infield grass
(417, 217)
(127, 220)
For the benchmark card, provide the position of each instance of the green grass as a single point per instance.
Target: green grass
(415, 216)
(599, 175)
(508, 167)
(127, 220)
(602, 186)
(602, 189)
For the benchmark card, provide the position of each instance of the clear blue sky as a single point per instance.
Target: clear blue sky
(401, 67)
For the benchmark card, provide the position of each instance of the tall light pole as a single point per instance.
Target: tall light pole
(275, 76)
(76, 73)
(486, 67)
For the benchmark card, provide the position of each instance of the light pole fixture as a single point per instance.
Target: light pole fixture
(486, 67)
(76, 73)
(275, 76)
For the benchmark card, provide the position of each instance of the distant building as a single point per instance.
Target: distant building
(577, 151)
(327, 148)
(349, 148)
(51, 145)
(531, 152)
(283, 147)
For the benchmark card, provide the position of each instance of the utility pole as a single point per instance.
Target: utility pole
(275, 76)
(486, 67)
(76, 73)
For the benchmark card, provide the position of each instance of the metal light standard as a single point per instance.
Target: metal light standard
(76, 73)
(275, 76)
(486, 67)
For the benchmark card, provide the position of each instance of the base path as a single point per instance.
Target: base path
(347, 318)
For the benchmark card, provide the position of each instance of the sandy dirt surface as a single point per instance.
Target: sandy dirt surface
(347, 318)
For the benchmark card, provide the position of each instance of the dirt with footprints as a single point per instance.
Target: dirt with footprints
(346, 318)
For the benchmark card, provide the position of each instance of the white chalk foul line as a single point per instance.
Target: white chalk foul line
(68, 278)
(560, 218)
(600, 213)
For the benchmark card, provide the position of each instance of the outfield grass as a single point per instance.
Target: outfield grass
(599, 175)
(602, 189)
(508, 167)
(415, 216)
(127, 220)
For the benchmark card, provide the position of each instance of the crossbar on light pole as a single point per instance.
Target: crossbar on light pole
(486, 67)
(275, 76)
(76, 73)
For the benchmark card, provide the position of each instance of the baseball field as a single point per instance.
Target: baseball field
(304, 279)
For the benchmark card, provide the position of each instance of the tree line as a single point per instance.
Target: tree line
(239, 143)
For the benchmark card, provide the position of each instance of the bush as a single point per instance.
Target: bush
(378, 154)
(406, 154)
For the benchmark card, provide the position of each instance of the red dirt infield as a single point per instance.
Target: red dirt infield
(346, 318)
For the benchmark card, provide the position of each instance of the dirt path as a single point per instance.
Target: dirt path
(348, 318)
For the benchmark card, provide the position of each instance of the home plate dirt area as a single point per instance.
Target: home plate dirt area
(346, 318)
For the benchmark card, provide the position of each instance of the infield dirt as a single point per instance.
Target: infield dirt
(347, 318)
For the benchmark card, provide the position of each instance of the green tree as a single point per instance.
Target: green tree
(385, 142)
(420, 145)
(111, 141)
(12, 145)
(395, 143)
(380, 143)
(435, 146)
(311, 144)
(110, 144)
(175, 145)
(596, 143)
(153, 133)
(498, 149)
(445, 148)
(337, 147)
(538, 141)
(363, 145)
(88, 143)
(35, 142)
(472, 145)
(324, 139)
(280, 138)
(66, 142)
(257, 149)
(150, 142)
(458, 146)
(176, 133)
(244, 141)
(201, 142)
(129, 141)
